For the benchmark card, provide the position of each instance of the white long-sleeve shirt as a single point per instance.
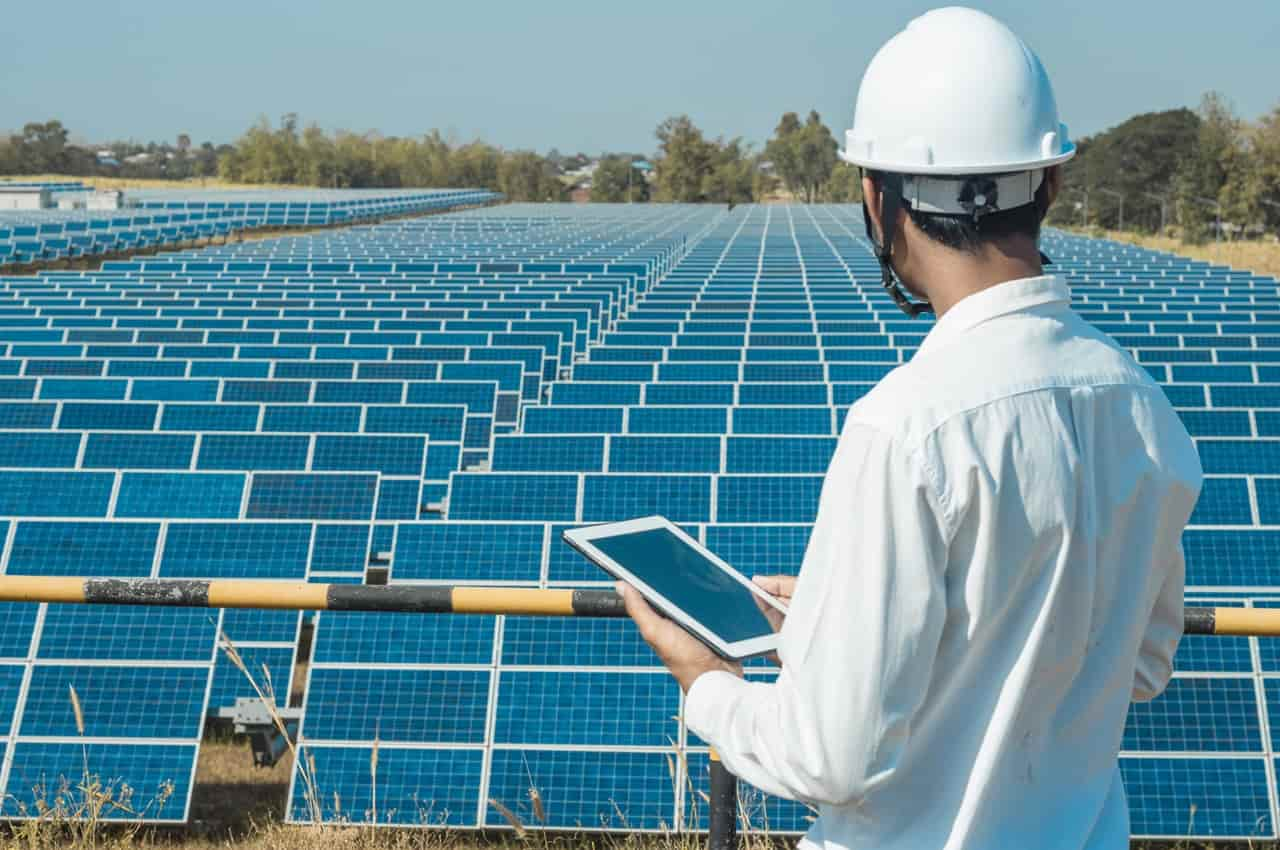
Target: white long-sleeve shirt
(994, 573)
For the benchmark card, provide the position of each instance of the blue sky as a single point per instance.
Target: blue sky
(572, 74)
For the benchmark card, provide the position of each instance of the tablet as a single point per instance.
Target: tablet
(684, 581)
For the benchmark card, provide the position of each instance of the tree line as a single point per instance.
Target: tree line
(43, 147)
(1194, 172)
(689, 167)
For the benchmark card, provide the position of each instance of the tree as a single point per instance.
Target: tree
(844, 186)
(692, 168)
(686, 158)
(1137, 159)
(266, 155)
(803, 155)
(41, 148)
(525, 176)
(616, 179)
(732, 176)
(782, 151)
(1244, 186)
(1266, 140)
(1202, 174)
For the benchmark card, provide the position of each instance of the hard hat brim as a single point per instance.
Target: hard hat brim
(1069, 150)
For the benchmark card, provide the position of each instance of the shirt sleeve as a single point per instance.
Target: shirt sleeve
(1164, 630)
(858, 644)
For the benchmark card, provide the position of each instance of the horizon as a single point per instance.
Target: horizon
(553, 76)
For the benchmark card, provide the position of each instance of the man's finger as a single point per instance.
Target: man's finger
(769, 584)
(646, 619)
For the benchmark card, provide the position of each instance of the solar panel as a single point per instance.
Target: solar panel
(454, 391)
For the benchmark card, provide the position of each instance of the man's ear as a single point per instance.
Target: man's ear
(1053, 183)
(873, 199)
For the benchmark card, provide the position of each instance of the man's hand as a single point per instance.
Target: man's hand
(684, 655)
(781, 588)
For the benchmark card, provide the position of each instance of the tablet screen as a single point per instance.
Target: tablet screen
(694, 584)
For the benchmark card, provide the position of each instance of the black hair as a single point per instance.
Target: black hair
(962, 233)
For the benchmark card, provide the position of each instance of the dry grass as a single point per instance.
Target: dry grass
(1255, 256)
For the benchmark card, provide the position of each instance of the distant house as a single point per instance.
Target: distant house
(580, 192)
(586, 172)
(24, 197)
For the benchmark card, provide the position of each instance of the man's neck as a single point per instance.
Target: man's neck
(961, 275)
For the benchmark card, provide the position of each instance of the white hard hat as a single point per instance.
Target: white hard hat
(956, 92)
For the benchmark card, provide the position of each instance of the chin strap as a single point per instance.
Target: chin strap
(891, 203)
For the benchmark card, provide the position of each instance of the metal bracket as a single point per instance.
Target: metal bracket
(253, 718)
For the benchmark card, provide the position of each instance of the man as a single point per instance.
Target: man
(995, 570)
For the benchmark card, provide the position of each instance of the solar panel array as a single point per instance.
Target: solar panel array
(445, 396)
(158, 218)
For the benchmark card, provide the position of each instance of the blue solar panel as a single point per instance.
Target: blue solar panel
(55, 494)
(364, 638)
(121, 632)
(265, 626)
(584, 707)
(1214, 715)
(677, 420)
(159, 775)
(359, 704)
(321, 497)
(83, 548)
(664, 454)
(253, 451)
(107, 416)
(1219, 558)
(236, 550)
(573, 420)
(439, 422)
(767, 498)
(760, 549)
(513, 496)
(548, 454)
(176, 495)
(782, 420)
(548, 641)
(1237, 457)
(39, 450)
(311, 418)
(154, 702)
(209, 417)
(469, 551)
(138, 451)
(1176, 797)
(416, 787)
(17, 620)
(779, 454)
(584, 789)
(1223, 501)
(680, 498)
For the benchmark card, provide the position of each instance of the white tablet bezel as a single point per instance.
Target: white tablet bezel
(583, 539)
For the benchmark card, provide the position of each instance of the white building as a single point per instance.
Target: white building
(24, 198)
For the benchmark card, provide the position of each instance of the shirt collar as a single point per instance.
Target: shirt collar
(1010, 297)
